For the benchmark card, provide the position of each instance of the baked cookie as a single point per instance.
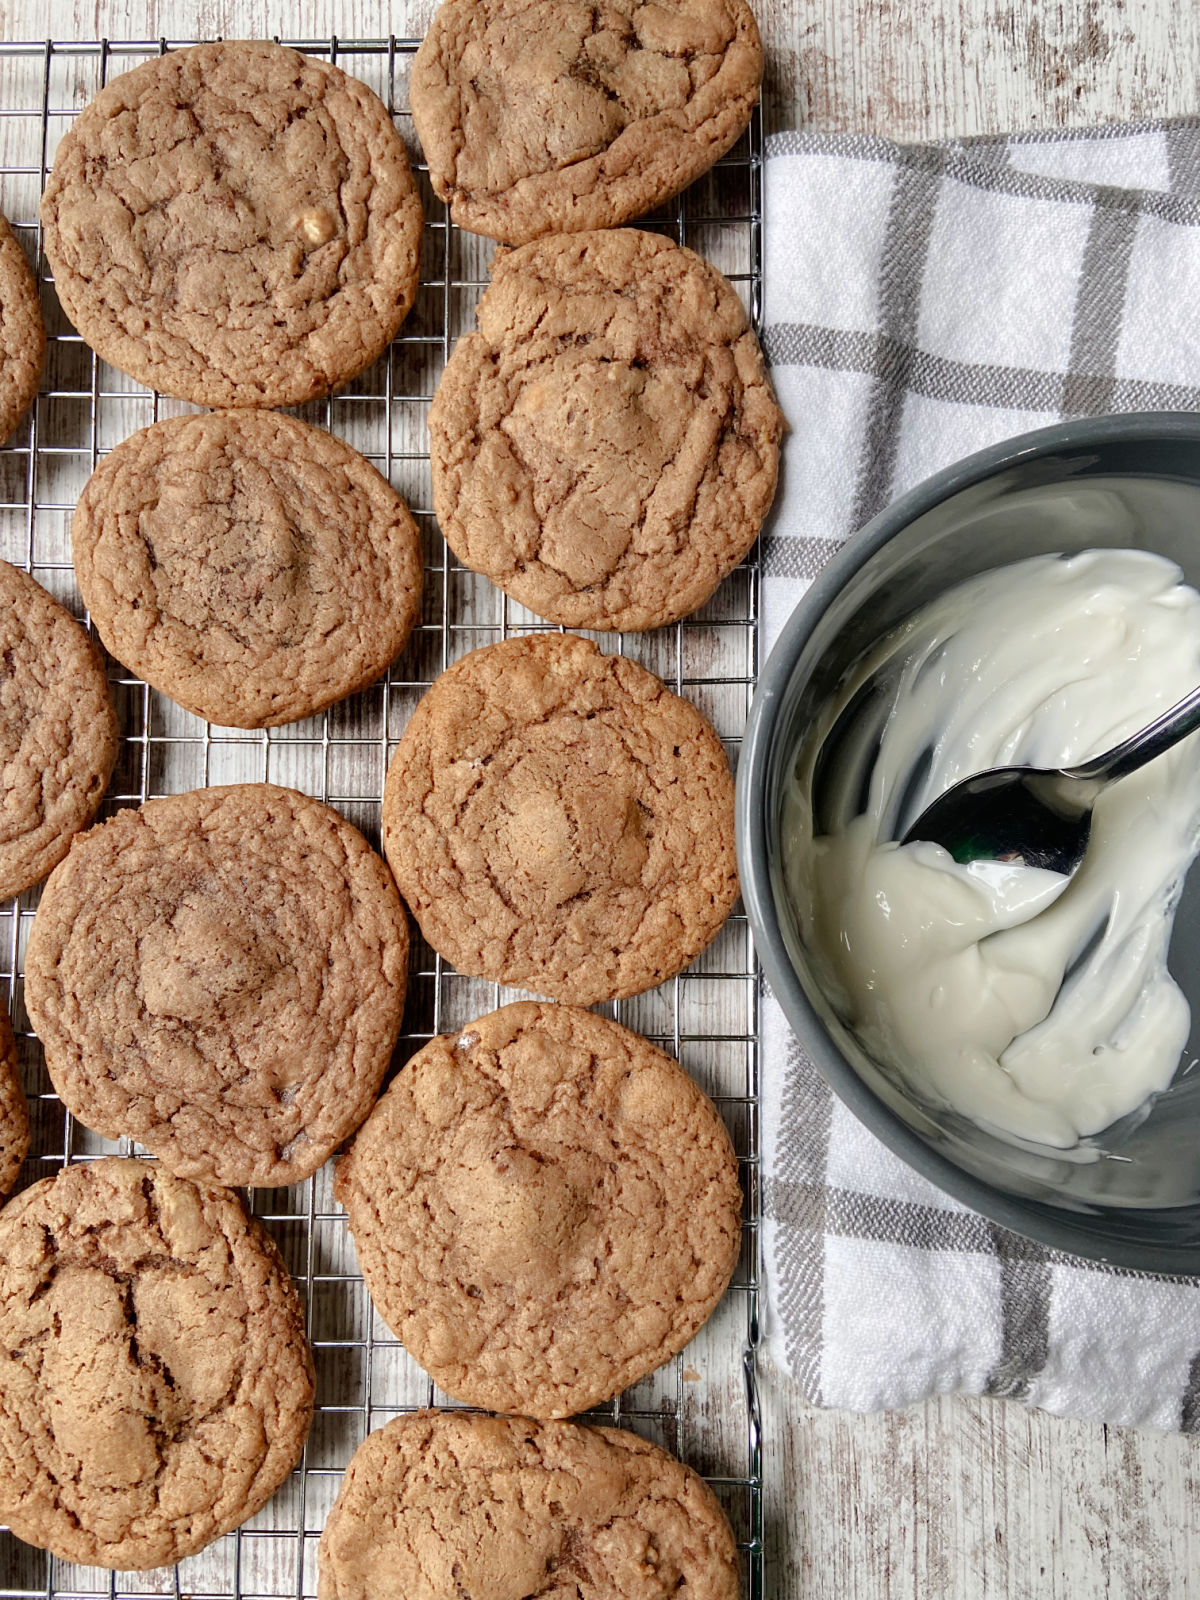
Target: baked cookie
(58, 730)
(542, 116)
(545, 1209)
(22, 333)
(606, 447)
(250, 566)
(156, 1386)
(220, 975)
(234, 224)
(446, 1504)
(14, 1113)
(558, 820)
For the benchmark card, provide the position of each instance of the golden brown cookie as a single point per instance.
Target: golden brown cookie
(252, 567)
(545, 1209)
(558, 820)
(220, 975)
(22, 333)
(58, 730)
(235, 224)
(546, 116)
(156, 1386)
(14, 1113)
(444, 1505)
(606, 447)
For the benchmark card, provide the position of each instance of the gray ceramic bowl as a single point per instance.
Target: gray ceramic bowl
(1131, 481)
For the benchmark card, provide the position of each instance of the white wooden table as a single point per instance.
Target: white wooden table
(956, 1500)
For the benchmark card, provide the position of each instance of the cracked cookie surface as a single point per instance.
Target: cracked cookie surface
(254, 568)
(156, 1386)
(545, 1208)
(234, 224)
(557, 820)
(220, 975)
(14, 1112)
(22, 333)
(606, 446)
(58, 730)
(443, 1504)
(541, 116)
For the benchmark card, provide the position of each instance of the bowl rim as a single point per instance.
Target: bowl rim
(1035, 1220)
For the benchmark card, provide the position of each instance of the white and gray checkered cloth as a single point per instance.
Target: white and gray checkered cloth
(922, 302)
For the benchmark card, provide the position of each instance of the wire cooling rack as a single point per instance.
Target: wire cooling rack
(704, 1405)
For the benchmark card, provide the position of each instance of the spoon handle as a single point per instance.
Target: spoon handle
(1175, 724)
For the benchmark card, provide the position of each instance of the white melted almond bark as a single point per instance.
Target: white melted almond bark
(1039, 1007)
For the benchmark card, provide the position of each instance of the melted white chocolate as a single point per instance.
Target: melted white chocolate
(1040, 1008)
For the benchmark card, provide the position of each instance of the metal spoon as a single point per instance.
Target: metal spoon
(1042, 817)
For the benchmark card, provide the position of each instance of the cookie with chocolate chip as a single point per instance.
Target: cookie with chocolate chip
(14, 1112)
(451, 1503)
(220, 975)
(235, 224)
(606, 446)
(545, 1207)
(22, 333)
(58, 730)
(156, 1386)
(542, 116)
(558, 820)
(254, 568)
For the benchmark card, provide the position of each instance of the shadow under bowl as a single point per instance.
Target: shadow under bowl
(1126, 482)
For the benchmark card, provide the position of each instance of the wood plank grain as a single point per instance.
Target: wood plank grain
(909, 69)
(920, 69)
(976, 1500)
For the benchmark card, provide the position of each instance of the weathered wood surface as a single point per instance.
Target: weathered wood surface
(956, 1500)
(915, 69)
(905, 68)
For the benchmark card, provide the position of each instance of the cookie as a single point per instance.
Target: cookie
(557, 820)
(606, 447)
(156, 1386)
(14, 1113)
(545, 1209)
(235, 224)
(220, 975)
(252, 567)
(543, 116)
(446, 1504)
(22, 333)
(58, 730)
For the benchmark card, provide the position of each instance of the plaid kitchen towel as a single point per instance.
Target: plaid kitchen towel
(922, 302)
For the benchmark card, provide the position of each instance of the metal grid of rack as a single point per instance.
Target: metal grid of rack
(703, 1406)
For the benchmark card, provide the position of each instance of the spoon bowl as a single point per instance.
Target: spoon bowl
(1042, 817)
